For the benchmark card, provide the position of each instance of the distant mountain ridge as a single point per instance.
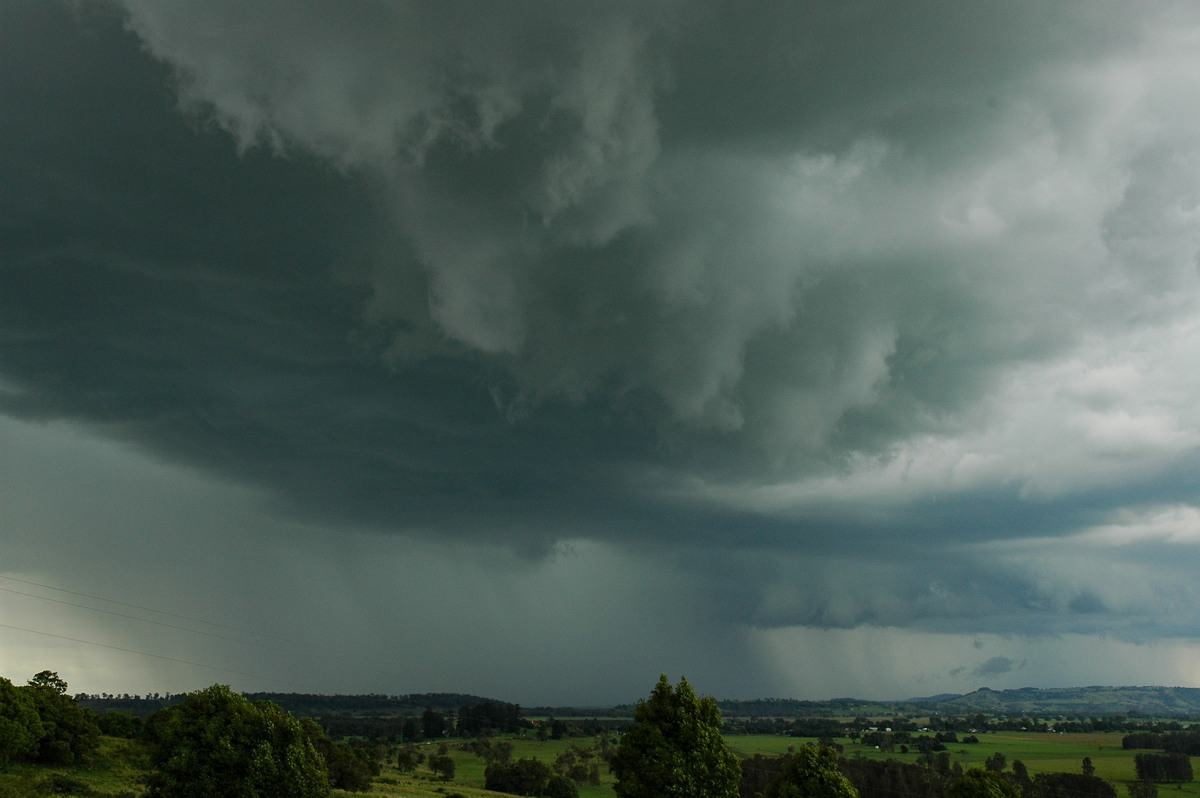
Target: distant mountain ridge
(306, 704)
(1042, 702)
(1094, 700)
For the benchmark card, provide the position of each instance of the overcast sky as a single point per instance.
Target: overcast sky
(533, 349)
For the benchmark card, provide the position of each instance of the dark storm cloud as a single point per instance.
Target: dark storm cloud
(996, 666)
(845, 310)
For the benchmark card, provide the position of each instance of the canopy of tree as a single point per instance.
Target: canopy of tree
(217, 744)
(976, 783)
(41, 723)
(674, 748)
(812, 773)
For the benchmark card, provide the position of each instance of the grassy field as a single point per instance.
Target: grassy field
(116, 771)
(469, 772)
(1041, 753)
(119, 766)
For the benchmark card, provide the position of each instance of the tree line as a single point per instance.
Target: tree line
(217, 742)
(212, 742)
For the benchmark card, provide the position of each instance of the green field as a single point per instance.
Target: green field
(118, 767)
(1041, 753)
(468, 771)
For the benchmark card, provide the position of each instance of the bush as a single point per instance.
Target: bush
(217, 744)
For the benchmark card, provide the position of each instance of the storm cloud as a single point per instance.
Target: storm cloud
(872, 322)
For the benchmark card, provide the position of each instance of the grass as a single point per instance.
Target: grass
(469, 771)
(118, 767)
(1040, 752)
(115, 770)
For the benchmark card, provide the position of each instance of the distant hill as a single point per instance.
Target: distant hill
(307, 705)
(1055, 701)
(1052, 702)
(1040, 702)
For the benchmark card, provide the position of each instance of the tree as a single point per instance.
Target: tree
(349, 768)
(1088, 768)
(119, 724)
(1163, 767)
(69, 732)
(976, 783)
(674, 748)
(559, 786)
(526, 776)
(1071, 785)
(50, 680)
(433, 724)
(217, 744)
(20, 726)
(408, 758)
(442, 764)
(812, 772)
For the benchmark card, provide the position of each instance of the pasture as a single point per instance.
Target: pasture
(119, 764)
(469, 771)
(1040, 752)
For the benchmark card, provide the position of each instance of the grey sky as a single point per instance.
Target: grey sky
(534, 349)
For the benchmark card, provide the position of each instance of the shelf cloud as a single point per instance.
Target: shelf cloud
(867, 323)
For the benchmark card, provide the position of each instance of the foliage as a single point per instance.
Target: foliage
(69, 732)
(1163, 767)
(1142, 789)
(1071, 785)
(442, 764)
(20, 726)
(59, 784)
(217, 744)
(976, 783)
(49, 680)
(350, 768)
(812, 772)
(874, 778)
(408, 758)
(488, 717)
(491, 750)
(120, 724)
(524, 777)
(579, 765)
(559, 786)
(674, 748)
(433, 725)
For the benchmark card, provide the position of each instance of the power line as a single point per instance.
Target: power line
(177, 616)
(131, 617)
(156, 656)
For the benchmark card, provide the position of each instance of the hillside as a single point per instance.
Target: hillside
(1177, 702)
(1053, 701)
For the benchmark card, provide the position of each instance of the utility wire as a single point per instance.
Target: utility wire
(131, 617)
(156, 656)
(177, 616)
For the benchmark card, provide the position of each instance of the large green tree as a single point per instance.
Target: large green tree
(674, 748)
(812, 772)
(20, 726)
(69, 732)
(976, 783)
(217, 744)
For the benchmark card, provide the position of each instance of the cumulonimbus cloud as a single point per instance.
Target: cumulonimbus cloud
(772, 278)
